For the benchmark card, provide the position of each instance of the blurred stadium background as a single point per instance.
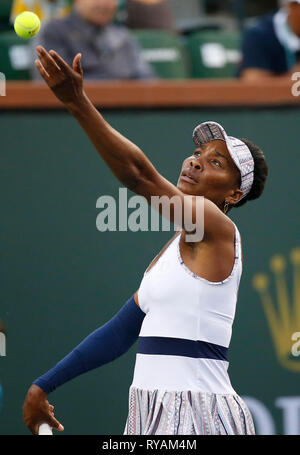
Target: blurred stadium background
(214, 26)
(61, 278)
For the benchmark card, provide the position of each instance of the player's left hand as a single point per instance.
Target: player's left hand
(65, 82)
(38, 410)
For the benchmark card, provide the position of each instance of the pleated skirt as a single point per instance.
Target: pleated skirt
(160, 412)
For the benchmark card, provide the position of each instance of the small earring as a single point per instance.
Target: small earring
(226, 206)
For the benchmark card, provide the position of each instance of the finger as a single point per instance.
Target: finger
(77, 66)
(42, 70)
(55, 424)
(60, 62)
(47, 61)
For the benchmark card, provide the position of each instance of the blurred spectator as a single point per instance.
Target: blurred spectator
(150, 14)
(108, 51)
(272, 46)
(45, 9)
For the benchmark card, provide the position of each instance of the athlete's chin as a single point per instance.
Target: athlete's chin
(187, 188)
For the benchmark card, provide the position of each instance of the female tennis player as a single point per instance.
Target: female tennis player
(184, 309)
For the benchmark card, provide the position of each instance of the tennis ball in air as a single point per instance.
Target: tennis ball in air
(27, 25)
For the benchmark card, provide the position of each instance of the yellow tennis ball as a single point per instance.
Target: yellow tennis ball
(27, 24)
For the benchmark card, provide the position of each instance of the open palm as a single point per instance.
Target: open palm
(65, 82)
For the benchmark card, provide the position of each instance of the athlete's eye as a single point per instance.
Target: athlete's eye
(218, 162)
(197, 153)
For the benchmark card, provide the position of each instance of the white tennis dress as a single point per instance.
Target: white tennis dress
(180, 383)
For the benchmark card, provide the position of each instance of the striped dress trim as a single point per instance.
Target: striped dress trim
(158, 412)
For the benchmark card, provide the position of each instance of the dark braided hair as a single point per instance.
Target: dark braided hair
(261, 171)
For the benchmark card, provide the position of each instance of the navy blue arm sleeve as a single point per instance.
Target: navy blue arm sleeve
(102, 346)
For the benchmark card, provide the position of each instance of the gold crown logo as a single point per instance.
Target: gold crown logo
(283, 318)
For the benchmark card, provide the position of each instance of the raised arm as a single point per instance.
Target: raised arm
(123, 157)
(127, 161)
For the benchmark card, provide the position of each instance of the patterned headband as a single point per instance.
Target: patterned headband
(239, 152)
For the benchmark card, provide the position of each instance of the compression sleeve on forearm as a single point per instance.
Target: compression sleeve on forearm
(102, 346)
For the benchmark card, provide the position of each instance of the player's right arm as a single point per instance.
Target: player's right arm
(104, 345)
(125, 159)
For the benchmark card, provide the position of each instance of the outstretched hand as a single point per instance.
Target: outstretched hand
(65, 82)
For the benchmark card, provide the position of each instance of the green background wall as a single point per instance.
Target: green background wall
(61, 278)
